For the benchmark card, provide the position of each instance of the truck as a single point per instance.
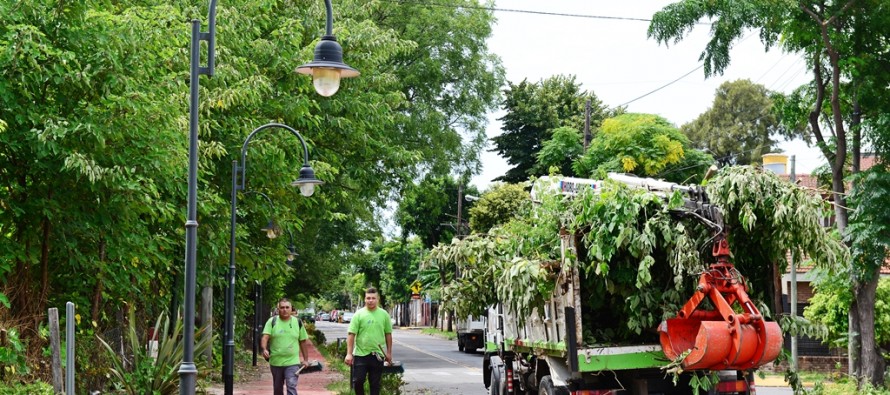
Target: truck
(714, 342)
(471, 333)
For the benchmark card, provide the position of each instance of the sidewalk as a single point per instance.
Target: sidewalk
(314, 383)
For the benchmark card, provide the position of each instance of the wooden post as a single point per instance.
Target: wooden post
(56, 345)
(207, 319)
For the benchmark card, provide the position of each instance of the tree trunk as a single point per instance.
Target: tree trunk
(100, 283)
(853, 360)
(872, 364)
(44, 263)
(777, 306)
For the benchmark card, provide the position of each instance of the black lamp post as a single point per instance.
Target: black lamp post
(307, 183)
(326, 69)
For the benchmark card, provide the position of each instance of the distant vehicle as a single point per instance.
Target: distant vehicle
(324, 317)
(346, 317)
(307, 317)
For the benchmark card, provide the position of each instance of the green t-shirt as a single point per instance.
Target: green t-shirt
(284, 341)
(370, 329)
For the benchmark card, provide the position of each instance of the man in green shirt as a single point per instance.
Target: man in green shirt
(369, 330)
(284, 342)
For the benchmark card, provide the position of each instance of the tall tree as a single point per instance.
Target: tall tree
(534, 110)
(825, 32)
(429, 210)
(497, 206)
(643, 144)
(739, 126)
(448, 77)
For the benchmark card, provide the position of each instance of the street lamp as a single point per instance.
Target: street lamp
(307, 183)
(326, 68)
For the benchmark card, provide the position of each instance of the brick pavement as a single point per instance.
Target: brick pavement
(314, 383)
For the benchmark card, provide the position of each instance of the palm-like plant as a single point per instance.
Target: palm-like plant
(148, 375)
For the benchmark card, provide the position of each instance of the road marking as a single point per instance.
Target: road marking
(434, 355)
(441, 373)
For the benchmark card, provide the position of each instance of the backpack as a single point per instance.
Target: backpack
(299, 323)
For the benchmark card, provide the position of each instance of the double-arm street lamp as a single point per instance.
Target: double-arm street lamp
(307, 183)
(326, 69)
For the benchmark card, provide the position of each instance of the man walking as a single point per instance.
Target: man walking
(369, 331)
(284, 345)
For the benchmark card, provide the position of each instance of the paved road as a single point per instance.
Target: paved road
(433, 366)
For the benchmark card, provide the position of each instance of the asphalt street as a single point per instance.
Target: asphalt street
(433, 366)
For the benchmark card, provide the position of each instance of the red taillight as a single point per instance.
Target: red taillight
(509, 381)
(733, 386)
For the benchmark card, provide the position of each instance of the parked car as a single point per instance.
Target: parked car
(346, 317)
(307, 317)
(324, 317)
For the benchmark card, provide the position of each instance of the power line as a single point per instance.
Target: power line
(661, 87)
(532, 12)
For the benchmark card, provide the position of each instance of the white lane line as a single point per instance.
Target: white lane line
(434, 355)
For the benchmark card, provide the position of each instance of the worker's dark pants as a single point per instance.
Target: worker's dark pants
(285, 377)
(369, 366)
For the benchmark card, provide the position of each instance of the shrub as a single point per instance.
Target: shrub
(147, 375)
(38, 388)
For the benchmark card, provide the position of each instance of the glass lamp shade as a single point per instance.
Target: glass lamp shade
(326, 80)
(271, 230)
(307, 181)
(307, 189)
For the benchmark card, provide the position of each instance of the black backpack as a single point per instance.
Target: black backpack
(275, 319)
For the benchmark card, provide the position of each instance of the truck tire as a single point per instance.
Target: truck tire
(460, 344)
(547, 388)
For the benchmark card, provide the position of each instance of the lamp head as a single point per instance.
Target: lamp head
(307, 181)
(327, 67)
(291, 254)
(271, 230)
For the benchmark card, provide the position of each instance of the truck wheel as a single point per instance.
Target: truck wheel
(547, 388)
(460, 344)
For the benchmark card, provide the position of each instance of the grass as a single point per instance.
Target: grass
(820, 383)
(439, 333)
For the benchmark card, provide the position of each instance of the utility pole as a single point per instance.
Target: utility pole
(587, 136)
(793, 289)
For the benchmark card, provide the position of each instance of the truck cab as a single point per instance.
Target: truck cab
(471, 333)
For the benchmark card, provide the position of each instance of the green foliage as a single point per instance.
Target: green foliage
(637, 258)
(427, 208)
(37, 388)
(563, 148)
(93, 103)
(753, 200)
(497, 206)
(534, 111)
(152, 375)
(868, 233)
(12, 355)
(737, 129)
(830, 305)
(642, 144)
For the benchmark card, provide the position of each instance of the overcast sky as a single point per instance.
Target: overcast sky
(614, 59)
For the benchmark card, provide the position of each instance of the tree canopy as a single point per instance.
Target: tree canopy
(739, 127)
(533, 112)
(642, 144)
(93, 156)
